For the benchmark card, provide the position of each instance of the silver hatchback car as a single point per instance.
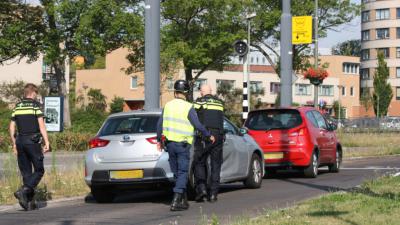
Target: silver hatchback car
(124, 156)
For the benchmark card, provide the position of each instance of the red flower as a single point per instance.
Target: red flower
(318, 73)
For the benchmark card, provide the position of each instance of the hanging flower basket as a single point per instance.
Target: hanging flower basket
(316, 76)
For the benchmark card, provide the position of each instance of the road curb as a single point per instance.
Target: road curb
(55, 202)
(370, 157)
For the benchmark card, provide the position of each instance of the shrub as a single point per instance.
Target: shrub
(70, 141)
(97, 101)
(117, 104)
(87, 121)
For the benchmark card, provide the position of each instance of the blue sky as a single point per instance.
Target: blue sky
(349, 31)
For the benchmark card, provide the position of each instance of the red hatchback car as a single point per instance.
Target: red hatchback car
(299, 138)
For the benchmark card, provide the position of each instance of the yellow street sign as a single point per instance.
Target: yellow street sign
(301, 30)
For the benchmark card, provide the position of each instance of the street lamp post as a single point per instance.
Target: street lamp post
(339, 110)
(316, 51)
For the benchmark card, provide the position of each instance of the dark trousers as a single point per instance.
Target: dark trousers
(179, 160)
(201, 153)
(30, 155)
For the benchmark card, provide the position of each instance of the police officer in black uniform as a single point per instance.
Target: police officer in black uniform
(27, 117)
(210, 111)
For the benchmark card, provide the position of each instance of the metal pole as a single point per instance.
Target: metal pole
(316, 50)
(152, 55)
(245, 105)
(339, 107)
(286, 55)
(248, 66)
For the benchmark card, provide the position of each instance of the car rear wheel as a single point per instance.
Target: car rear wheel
(311, 171)
(334, 168)
(254, 178)
(102, 195)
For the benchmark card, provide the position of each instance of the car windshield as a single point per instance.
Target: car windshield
(273, 119)
(132, 124)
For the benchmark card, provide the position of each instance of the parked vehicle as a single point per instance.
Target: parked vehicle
(124, 156)
(298, 138)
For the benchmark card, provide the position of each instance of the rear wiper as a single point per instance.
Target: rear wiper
(272, 128)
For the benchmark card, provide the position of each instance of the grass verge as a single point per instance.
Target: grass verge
(375, 202)
(54, 184)
(369, 144)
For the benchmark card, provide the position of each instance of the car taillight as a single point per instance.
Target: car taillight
(299, 132)
(97, 142)
(152, 140)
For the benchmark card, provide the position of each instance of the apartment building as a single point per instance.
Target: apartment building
(380, 32)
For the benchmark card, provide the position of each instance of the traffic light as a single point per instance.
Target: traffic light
(241, 47)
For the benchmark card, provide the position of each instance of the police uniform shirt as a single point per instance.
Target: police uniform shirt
(25, 115)
(210, 111)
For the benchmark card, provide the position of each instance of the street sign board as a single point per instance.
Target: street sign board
(301, 30)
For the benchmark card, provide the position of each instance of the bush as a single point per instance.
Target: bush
(70, 141)
(5, 114)
(97, 101)
(117, 104)
(87, 121)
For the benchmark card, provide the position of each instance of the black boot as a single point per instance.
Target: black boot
(22, 196)
(176, 204)
(213, 198)
(201, 195)
(185, 203)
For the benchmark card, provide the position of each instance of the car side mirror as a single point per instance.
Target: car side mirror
(226, 131)
(332, 126)
(242, 131)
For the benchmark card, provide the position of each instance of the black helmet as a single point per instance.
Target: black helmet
(181, 86)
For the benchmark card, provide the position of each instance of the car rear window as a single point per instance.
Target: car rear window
(273, 119)
(130, 125)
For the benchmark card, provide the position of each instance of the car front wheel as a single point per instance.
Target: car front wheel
(311, 171)
(334, 168)
(254, 178)
(102, 195)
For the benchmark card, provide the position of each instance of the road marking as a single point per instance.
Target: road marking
(370, 168)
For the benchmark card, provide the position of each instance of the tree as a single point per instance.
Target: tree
(64, 29)
(117, 104)
(266, 31)
(200, 33)
(366, 100)
(383, 94)
(349, 48)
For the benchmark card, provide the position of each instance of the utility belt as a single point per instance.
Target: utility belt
(35, 138)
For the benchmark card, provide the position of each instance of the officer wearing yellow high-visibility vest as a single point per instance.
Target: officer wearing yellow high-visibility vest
(210, 110)
(177, 124)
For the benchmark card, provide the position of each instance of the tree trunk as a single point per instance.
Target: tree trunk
(59, 68)
(189, 79)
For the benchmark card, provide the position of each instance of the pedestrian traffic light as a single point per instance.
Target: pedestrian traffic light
(241, 47)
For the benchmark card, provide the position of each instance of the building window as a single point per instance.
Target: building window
(382, 14)
(397, 72)
(325, 90)
(364, 74)
(350, 68)
(170, 84)
(398, 52)
(398, 13)
(303, 89)
(252, 59)
(351, 91)
(274, 87)
(343, 91)
(397, 93)
(226, 84)
(365, 54)
(134, 83)
(365, 35)
(198, 83)
(398, 32)
(256, 87)
(365, 16)
(263, 60)
(384, 51)
(382, 33)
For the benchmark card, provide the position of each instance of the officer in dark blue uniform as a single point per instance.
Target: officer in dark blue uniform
(210, 111)
(27, 117)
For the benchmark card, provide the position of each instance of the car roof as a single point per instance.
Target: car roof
(137, 112)
(300, 108)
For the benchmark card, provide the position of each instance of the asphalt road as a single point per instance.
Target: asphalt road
(283, 190)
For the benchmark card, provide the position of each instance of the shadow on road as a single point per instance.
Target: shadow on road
(162, 197)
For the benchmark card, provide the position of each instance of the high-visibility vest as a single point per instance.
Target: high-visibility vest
(176, 125)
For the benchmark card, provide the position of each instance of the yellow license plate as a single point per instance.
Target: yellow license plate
(278, 155)
(126, 174)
